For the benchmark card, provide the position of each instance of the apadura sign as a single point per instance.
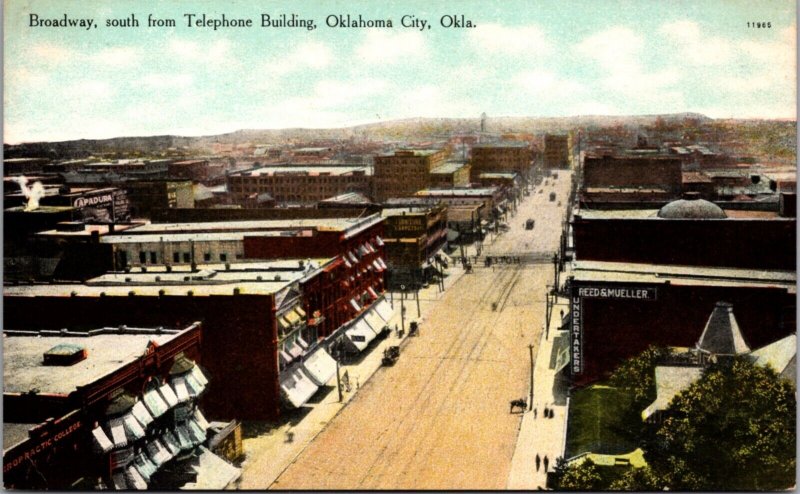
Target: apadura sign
(104, 207)
(648, 293)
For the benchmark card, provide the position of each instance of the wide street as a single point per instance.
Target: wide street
(439, 418)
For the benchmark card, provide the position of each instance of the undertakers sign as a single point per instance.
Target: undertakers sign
(602, 292)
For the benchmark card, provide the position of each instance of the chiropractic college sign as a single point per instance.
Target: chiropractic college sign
(576, 310)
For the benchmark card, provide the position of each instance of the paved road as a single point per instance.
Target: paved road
(439, 419)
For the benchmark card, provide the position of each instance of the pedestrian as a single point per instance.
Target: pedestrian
(534, 413)
(546, 463)
(538, 461)
(545, 412)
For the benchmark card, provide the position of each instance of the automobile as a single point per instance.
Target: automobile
(529, 224)
(552, 196)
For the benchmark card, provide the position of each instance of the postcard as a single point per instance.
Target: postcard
(352, 245)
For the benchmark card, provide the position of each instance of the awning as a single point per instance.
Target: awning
(355, 305)
(297, 387)
(374, 320)
(372, 293)
(135, 479)
(101, 441)
(378, 267)
(362, 250)
(171, 442)
(144, 466)
(292, 316)
(213, 473)
(379, 240)
(346, 262)
(320, 367)
(158, 453)
(360, 334)
(195, 387)
(133, 427)
(296, 351)
(168, 395)
(198, 374)
(181, 391)
(201, 419)
(155, 404)
(141, 414)
(285, 357)
(353, 257)
(384, 310)
(382, 264)
(118, 435)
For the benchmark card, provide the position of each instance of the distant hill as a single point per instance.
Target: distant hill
(407, 129)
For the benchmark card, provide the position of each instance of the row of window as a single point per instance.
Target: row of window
(184, 257)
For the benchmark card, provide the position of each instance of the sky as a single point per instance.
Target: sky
(526, 58)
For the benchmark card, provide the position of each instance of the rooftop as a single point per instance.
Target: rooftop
(502, 144)
(413, 152)
(108, 349)
(601, 214)
(483, 191)
(448, 167)
(320, 224)
(306, 169)
(601, 271)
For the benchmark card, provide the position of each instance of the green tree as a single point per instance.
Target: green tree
(734, 429)
(584, 477)
(637, 374)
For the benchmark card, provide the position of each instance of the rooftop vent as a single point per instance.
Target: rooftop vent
(65, 355)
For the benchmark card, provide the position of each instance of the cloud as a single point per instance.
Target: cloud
(165, 81)
(388, 47)
(308, 55)
(618, 51)
(694, 47)
(48, 52)
(119, 56)
(547, 84)
(515, 40)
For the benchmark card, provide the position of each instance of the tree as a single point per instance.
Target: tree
(584, 477)
(734, 429)
(637, 374)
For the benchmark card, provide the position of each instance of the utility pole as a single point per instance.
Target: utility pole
(403, 308)
(418, 312)
(530, 402)
(338, 381)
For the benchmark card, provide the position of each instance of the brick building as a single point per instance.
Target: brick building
(404, 172)
(194, 170)
(263, 323)
(556, 151)
(413, 237)
(611, 178)
(450, 174)
(111, 408)
(507, 156)
(298, 184)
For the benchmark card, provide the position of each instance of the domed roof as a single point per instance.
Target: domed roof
(691, 207)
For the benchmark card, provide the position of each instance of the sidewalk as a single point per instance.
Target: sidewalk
(274, 447)
(537, 434)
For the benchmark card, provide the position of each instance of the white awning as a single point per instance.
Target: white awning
(201, 419)
(155, 404)
(184, 439)
(346, 262)
(101, 440)
(320, 367)
(181, 391)
(133, 427)
(295, 351)
(383, 264)
(144, 466)
(134, 479)
(379, 240)
(374, 320)
(384, 310)
(360, 334)
(355, 305)
(194, 386)
(372, 293)
(377, 265)
(353, 257)
(198, 435)
(198, 374)
(118, 433)
(213, 473)
(118, 479)
(142, 415)
(158, 453)
(171, 442)
(297, 387)
(168, 395)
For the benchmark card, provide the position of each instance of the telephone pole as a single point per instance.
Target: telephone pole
(530, 402)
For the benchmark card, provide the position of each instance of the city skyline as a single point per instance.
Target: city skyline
(545, 59)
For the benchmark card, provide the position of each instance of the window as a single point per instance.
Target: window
(143, 257)
(207, 256)
(176, 257)
(186, 257)
(153, 258)
(223, 257)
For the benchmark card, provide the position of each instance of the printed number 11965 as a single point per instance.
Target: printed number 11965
(759, 25)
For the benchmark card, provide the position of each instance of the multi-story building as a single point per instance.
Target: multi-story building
(194, 170)
(504, 156)
(405, 171)
(556, 151)
(110, 408)
(265, 324)
(449, 175)
(413, 237)
(293, 184)
(632, 179)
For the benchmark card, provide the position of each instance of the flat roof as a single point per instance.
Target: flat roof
(413, 152)
(501, 144)
(448, 167)
(87, 230)
(23, 368)
(619, 272)
(173, 237)
(250, 278)
(498, 175)
(305, 170)
(400, 211)
(737, 214)
(483, 191)
(329, 224)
